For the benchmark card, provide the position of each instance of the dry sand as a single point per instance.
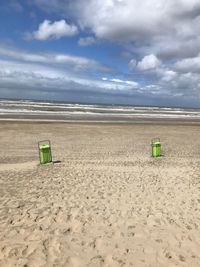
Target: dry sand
(107, 204)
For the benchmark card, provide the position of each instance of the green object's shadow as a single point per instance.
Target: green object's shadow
(56, 161)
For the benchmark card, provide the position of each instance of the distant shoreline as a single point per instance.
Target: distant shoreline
(81, 120)
(52, 102)
(56, 112)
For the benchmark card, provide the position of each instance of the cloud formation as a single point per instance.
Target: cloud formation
(74, 62)
(125, 82)
(87, 41)
(168, 29)
(148, 62)
(29, 73)
(26, 76)
(54, 30)
(159, 41)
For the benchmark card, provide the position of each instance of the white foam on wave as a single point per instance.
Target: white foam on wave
(92, 114)
(20, 107)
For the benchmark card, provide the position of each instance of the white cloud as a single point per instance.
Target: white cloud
(87, 41)
(188, 65)
(169, 75)
(125, 82)
(148, 62)
(137, 20)
(76, 62)
(55, 30)
(132, 64)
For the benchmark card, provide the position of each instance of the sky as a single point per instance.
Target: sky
(101, 51)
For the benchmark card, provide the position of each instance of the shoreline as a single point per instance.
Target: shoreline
(102, 121)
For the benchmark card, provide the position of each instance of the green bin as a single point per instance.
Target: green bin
(45, 151)
(156, 147)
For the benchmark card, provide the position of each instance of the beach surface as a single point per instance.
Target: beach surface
(104, 202)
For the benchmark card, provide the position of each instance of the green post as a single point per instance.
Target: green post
(156, 147)
(45, 151)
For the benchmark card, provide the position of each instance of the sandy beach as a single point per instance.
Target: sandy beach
(104, 202)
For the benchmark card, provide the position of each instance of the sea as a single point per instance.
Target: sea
(59, 111)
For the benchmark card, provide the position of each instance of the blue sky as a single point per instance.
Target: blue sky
(101, 51)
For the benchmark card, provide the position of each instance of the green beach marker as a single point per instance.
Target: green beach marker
(156, 147)
(45, 151)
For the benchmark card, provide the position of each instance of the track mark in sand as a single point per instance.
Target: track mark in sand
(98, 243)
(52, 247)
(73, 262)
(96, 261)
(110, 262)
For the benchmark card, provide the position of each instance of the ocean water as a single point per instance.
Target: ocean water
(29, 109)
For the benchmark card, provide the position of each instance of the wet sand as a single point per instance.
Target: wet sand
(107, 203)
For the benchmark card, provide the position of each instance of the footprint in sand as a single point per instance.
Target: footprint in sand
(37, 259)
(73, 262)
(7, 263)
(98, 243)
(53, 249)
(109, 262)
(1, 254)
